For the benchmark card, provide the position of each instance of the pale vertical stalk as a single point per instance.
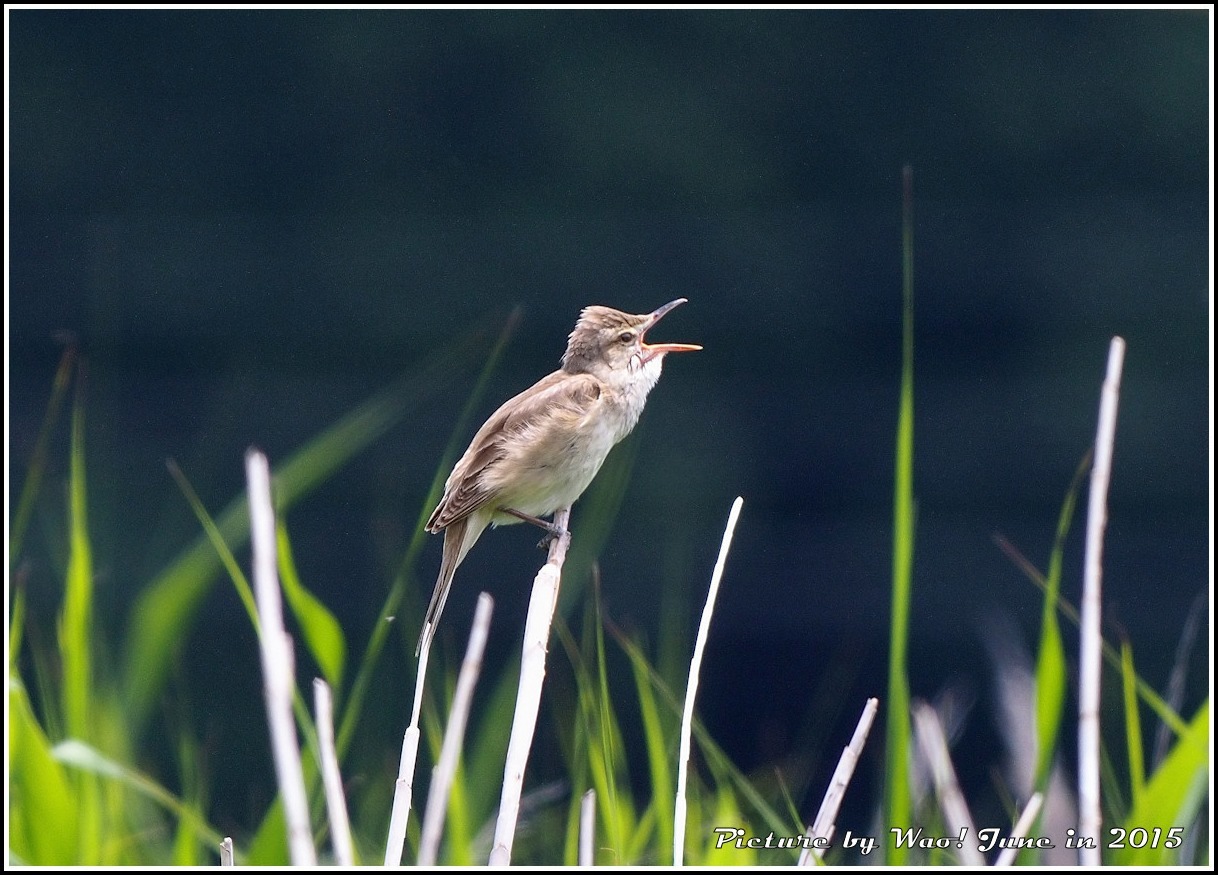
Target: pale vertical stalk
(824, 824)
(226, 852)
(691, 688)
(450, 752)
(528, 696)
(403, 788)
(587, 829)
(929, 732)
(278, 665)
(1090, 640)
(332, 779)
(1007, 857)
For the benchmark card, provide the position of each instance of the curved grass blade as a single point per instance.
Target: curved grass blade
(897, 741)
(88, 759)
(1050, 656)
(43, 814)
(76, 638)
(38, 459)
(1153, 700)
(1172, 799)
(168, 607)
(323, 637)
(397, 590)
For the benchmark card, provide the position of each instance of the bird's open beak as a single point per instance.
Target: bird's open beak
(651, 350)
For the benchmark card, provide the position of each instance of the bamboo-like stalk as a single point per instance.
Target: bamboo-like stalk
(226, 852)
(1090, 640)
(824, 824)
(403, 794)
(929, 733)
(450, 751)
(691, 688)
(528, 696)
(332, 779)
(587, 829)
(1007, 857)
(278, 664)
(403, 788)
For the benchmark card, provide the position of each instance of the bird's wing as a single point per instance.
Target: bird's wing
(465, 490)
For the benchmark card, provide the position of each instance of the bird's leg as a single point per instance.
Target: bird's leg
(552, 531)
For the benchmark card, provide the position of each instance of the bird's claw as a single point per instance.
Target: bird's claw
(553, 533)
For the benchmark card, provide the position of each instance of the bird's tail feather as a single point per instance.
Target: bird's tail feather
(459, 536)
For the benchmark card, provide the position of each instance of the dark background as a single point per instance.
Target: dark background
(255, 220)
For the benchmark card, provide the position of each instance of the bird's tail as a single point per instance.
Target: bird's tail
(459, 536)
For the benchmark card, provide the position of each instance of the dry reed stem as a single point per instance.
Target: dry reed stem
(278, 665)
(528, 696)
(1007, 857)
(332, 779)
(929, 732)
(691, 688)
(1090, 639)
(824, 824)
(403, 787)
(587, 828)
(450, 752)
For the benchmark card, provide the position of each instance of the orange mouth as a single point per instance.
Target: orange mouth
(651, 350)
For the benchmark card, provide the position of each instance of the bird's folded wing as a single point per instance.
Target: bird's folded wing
(568, 395)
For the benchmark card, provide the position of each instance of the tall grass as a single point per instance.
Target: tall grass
(897, 809)
(84, 792)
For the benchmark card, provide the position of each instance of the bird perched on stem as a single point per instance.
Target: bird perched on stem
(540, 450)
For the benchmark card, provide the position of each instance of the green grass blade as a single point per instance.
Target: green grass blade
(188, 842)
(598, 743)
(721, 767)
(323, 637)
(1133, 727)
(897, 736)
(352, 711)
(38, 459)
(1153, 700)
(487, 749)
(269, 841)
(457, 844)
(75, 639)
(88, 759)
(659, 752)
(269, 846)
(1050, 655)
(43, 814)
(1172, 799)
(727, 812)
(218, 543)
(457, 823)
(16, 623)
(76, 620)
(168, 607)
(609, 750)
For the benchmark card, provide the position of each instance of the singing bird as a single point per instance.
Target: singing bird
(540, 450)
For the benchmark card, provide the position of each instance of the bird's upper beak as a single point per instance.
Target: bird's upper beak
(651, 350)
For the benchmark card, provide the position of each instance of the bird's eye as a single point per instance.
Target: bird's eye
(626, 336)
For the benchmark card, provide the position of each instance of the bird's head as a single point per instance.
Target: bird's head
(610, 344)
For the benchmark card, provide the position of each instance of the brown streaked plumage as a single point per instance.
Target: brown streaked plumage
(540, 450)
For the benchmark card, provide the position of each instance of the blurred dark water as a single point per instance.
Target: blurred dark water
(255, 220)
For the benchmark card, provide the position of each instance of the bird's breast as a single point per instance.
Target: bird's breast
(549, 465)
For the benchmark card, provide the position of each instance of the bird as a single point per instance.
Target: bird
(539, 451)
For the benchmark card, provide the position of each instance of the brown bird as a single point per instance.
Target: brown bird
(540, 450)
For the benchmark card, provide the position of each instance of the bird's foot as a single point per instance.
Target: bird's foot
(553, 531)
